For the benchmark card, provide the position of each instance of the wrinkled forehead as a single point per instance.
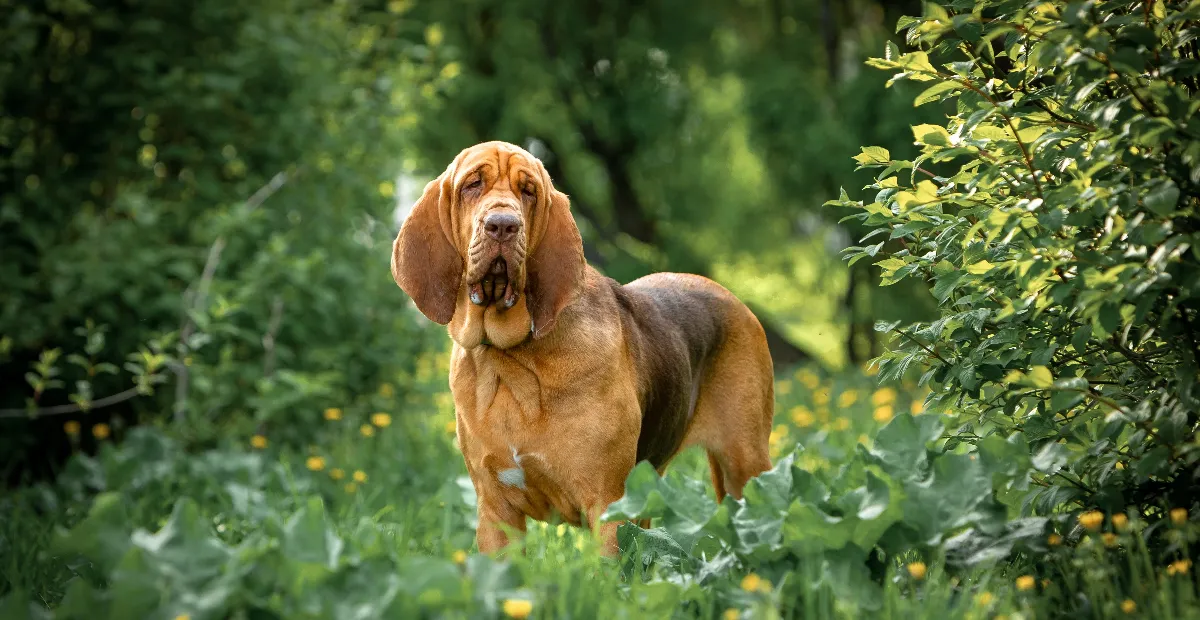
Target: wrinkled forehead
(498, 158)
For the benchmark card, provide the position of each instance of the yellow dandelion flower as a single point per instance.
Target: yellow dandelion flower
(1054, 540)
(847, 398)
(823, 414)
(841, 424)
(1120, 521)
(183, 617)
(1179, 516)
(802, 417)
(983, 599)
(1026, 583)
(451, 427)
(730, 614)
(783, 388)
(917, 570)
(101, 431)
(258, 441)
(1179, 567)
(382, 420)
(386, 390)
(337, 473)
(883, 396)
(1128, 606)
(315, 463)
(360, 476)
(821, 398)
(367, 430)
(517, 608)
(883, 414)
(351, 487)
(333, 413)
(71, 428)
(754, 583)
(808, 378)
(1110, 539)
(917, 407)
(1091, 520)
(459, 556)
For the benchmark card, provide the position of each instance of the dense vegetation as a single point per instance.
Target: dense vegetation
(200, 311)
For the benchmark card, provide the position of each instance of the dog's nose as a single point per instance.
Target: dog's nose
(502, 226)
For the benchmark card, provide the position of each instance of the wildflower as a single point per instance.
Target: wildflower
(382, 420)
(360, 476)
(183, 617)
(1091, 520)
(517, 608)
(1054, 540)
(1179, 516)
(337, 473)
(459, 556)
(71, 428)
(1120, 521)
(810, 380)
(451, 427)
(863, 439)
(847, 398)
(1026, 583)
(754, 583)
(821, 398)
(101, 431)
(1128, 606)
(367, 430)
(351, 487)
(1110, 539)
(333, 414)
(1179, 567)
(841, 424)
(917, 570)
(802, 417)
(730, 614)
(983, 599)
(315, 463)
(783, 388)
(258, 441)
(883, 414)
(386, 390)
(917, 407)
(883, 396)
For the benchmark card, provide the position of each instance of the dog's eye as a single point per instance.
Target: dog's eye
(528, 192)
(474, 185)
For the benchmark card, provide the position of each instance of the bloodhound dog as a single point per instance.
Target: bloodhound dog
(564, 379)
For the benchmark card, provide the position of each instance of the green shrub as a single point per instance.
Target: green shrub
(1055, 217)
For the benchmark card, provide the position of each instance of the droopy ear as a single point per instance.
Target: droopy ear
(556, 266)
(424, 261)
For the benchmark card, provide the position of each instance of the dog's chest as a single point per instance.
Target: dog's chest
(513, 453)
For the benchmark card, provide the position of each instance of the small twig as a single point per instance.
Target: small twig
(922, 345)
(269, 338)
(71, 408)
(195, 301)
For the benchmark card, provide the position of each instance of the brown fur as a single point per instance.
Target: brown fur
(582, 377)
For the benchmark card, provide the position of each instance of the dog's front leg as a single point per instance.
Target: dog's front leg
(494, 518)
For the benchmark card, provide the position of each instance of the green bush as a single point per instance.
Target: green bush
(1055, 217)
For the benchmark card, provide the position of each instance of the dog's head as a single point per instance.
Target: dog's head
(488, 232)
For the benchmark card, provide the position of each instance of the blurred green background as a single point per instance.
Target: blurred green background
(201, 196)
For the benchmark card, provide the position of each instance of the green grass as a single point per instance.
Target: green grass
(152, 527)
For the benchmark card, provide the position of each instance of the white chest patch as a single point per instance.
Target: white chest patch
(515, 475)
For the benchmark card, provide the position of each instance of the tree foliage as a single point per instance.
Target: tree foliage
(1055, 218)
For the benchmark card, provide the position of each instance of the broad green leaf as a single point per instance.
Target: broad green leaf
(1040, 377)
(935, 92)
